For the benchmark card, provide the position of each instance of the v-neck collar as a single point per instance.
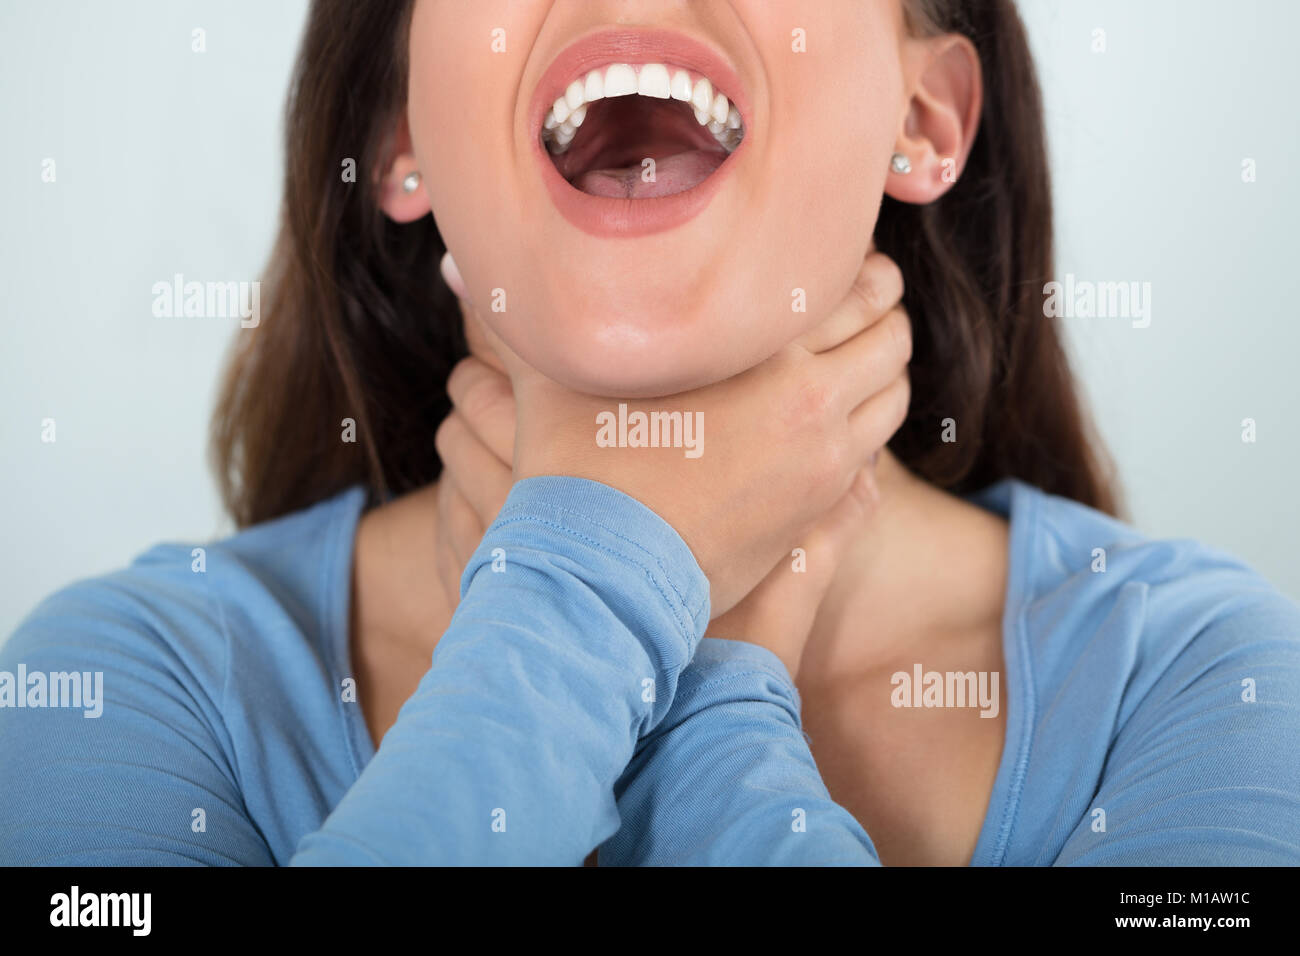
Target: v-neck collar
(1020, 504)
(1014, 500)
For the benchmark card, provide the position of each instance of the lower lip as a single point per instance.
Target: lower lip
(628, 218)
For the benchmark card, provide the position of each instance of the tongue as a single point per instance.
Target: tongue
(672, 174)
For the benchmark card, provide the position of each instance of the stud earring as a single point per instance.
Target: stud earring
(900, 163)
(411, 183)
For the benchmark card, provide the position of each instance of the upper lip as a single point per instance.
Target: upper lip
(621, 45)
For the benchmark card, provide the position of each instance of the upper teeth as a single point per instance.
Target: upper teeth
(712, 109)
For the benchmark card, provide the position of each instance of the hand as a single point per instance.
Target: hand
(779, 613)
(475, 442)
(786, 439)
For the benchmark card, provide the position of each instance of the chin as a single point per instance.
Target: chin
(638, 355)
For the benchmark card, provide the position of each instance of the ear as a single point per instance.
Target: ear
(398, 204)
(942, 116)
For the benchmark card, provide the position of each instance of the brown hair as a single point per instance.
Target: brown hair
(359, 324)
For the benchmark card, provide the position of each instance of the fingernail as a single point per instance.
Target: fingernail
(451, 275)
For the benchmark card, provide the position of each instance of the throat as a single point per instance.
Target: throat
(398, 610)
(928, 570)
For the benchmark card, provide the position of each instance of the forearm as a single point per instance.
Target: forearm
(728, 778)
(556, 660)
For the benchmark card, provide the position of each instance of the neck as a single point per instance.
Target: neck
(397, 599)
(925, 562)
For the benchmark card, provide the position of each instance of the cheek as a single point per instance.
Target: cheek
(838, 115)
(465, 191)
(812, 198)
(825, 205)
(835, 116)
(459, 102)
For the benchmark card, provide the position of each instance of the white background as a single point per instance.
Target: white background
(169, 161)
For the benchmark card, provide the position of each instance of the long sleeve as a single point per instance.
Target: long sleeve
(131, 769)
(579, 611)
(1204, 767)
(728, 778)
(215, 734)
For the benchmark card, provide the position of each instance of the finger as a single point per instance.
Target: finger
(449, 576)
(463, 527)
(450, 568)
(451, 275)
(869, 361)
(780, 612)
(826, 543)
(873, 423)
(877, 288)
(481, 477)
(486, 400)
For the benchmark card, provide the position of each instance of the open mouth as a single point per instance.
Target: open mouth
(640, 131)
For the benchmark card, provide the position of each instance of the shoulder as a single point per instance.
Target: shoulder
(212, 682)
(1067, 555)
(1159, 682)
(180, 598)
(177, 621)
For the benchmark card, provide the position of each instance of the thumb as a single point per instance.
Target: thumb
(779, 613)
(825, 545)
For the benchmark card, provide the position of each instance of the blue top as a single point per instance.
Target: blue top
(1153, 706)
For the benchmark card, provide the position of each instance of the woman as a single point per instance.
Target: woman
(690, 231)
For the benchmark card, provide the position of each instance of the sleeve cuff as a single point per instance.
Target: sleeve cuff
(718, 660)
(589, 523)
